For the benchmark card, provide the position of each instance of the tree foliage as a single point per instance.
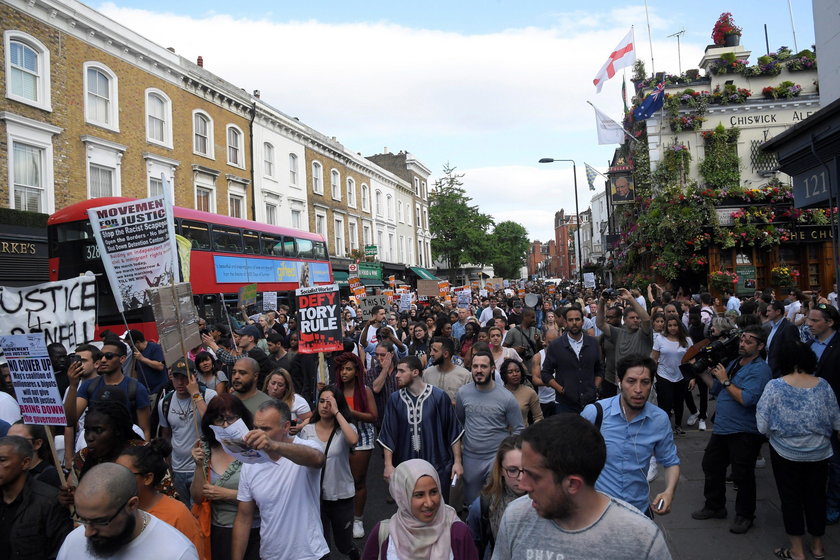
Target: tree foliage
(459, 231)
(510, 247)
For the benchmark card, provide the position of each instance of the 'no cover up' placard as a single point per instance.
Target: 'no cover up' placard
(33, 379)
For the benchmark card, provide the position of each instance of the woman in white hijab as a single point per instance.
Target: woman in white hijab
(424, 528)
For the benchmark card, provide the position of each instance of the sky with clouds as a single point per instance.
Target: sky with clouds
(489, 87)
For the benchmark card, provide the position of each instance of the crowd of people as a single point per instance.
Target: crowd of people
(506, 431)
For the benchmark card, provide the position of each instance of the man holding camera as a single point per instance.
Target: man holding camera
(735, 438)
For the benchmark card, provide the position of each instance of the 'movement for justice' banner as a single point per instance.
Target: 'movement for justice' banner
(317, 318)
(137, 242)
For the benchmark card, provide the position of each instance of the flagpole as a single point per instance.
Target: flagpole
(630, 136)
(650, 41)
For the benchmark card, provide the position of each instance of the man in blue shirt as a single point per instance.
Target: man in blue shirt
(634, 431)
(150, 363)
(735, 439)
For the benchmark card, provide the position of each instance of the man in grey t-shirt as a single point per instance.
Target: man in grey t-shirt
(563, 516)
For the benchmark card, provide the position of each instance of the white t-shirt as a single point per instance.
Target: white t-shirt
(299, 407)
(545, 393)
(338, 480)
(289, 498)
(670, 356)
(158, 540)
(9, 408)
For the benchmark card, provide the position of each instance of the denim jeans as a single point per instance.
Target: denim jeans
(182, 482)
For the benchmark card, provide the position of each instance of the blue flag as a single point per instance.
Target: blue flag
(651, 104)
(591, 174)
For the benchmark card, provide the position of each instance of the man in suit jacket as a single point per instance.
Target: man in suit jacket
(779, 331)
(573, 366)
(823, 321)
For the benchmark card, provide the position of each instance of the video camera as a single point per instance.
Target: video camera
(720, 351)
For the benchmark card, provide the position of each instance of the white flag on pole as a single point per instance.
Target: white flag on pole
(609, 131)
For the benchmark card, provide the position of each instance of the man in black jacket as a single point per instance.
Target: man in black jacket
(572, 365)
(32, 522)
(779, 331)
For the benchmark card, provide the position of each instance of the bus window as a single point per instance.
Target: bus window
(289, 246)
(197, 233)
(228, 240)
(252, 242)
(272, 245)
(319, 250)
(305, 249)
(73, 231)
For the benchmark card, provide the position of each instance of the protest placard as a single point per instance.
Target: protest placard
(35, 386)
(269, 301)
(389, 294)
(64, 311)
(136, 240)
(588, 279)
(482, 293)
(392, 281)
(405, 301)
(247, 295)
(318, 319)
(464, 298)
(552, 289)
(495, 283)
(356, 286)
(369, 302)
(176, 320)
(427, 288)
(443, 288)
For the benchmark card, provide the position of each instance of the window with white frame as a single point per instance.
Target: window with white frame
(365, 198)
(27, 70)
(408, 213)
(234, 146)
(101, 96)
(366, 234)
(420, 252)
(425, 218)
(353, 234)
(268, 158)
(293, 169)
(380, 248)
(400, 216)
(378, 202)
(155, 186)
(391, 247)
(338, 233)
(296, 218)
(321, 223)
(236, 203)
(389, 205)
(205, 192)
(419, 216)
(158, 118)
(272, 205)
(351, 192)
(401, 252)
(335, 184)
(416, 186)
(410, 245)
(423, 189)
(317, 178)
(104, 159)
(202, 134)
(157, 166)
(30, 158)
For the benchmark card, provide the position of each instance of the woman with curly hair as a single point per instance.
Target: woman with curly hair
(350, 380)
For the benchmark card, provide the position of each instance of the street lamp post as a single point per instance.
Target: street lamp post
(577, 213)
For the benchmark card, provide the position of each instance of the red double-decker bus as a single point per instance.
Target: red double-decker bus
(227, 253)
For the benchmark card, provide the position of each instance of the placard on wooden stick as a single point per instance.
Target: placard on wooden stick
(174, 323)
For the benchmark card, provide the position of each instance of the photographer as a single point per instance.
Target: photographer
(735, 438)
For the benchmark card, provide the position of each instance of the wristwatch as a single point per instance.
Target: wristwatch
(726, 383)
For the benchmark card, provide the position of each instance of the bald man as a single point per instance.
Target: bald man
(113, 526)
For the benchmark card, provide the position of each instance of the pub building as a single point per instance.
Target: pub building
(24, 257)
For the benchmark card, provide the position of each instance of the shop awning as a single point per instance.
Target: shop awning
(423, 273)
(373, 282)
(340, 277)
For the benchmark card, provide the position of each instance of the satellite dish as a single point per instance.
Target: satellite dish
(531, 300)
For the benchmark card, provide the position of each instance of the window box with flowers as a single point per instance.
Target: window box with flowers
(785, 90)
(723, 280)
(728, 63)
(725, 32)
(802, 61)
(729, 94)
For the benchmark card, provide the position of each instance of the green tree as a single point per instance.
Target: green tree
(510, 247)
(459, 230)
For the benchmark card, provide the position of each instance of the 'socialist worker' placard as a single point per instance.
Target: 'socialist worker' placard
(318, 319)
(33, 379)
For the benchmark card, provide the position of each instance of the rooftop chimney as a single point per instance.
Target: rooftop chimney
(200, 61)
(170, 49)
(257, 93)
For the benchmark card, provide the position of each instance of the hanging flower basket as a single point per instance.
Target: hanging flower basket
(723, 280)
(784, 276)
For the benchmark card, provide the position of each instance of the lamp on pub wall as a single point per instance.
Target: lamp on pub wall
(577, 213)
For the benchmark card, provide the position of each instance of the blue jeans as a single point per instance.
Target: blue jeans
(833, 495)
(182, 482)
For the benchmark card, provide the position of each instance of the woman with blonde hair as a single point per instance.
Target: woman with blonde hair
(278, 385)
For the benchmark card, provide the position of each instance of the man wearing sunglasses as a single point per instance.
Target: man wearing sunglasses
(32, 523)
(111, 524)
(735, 438)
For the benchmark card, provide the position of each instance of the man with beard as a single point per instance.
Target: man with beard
(634, 337)
(634, 431)
(419, 423)
(244, 377)
(32, 522)
(563, 514)
(443, 374)
(489, 413)
(111, 524)
(524, 337)
(573, 366)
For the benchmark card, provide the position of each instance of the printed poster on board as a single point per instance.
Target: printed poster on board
(35, 386)
(64, 311)
(318, 319)
(137, 242)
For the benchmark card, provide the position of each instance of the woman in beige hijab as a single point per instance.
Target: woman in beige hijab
(424, 528)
